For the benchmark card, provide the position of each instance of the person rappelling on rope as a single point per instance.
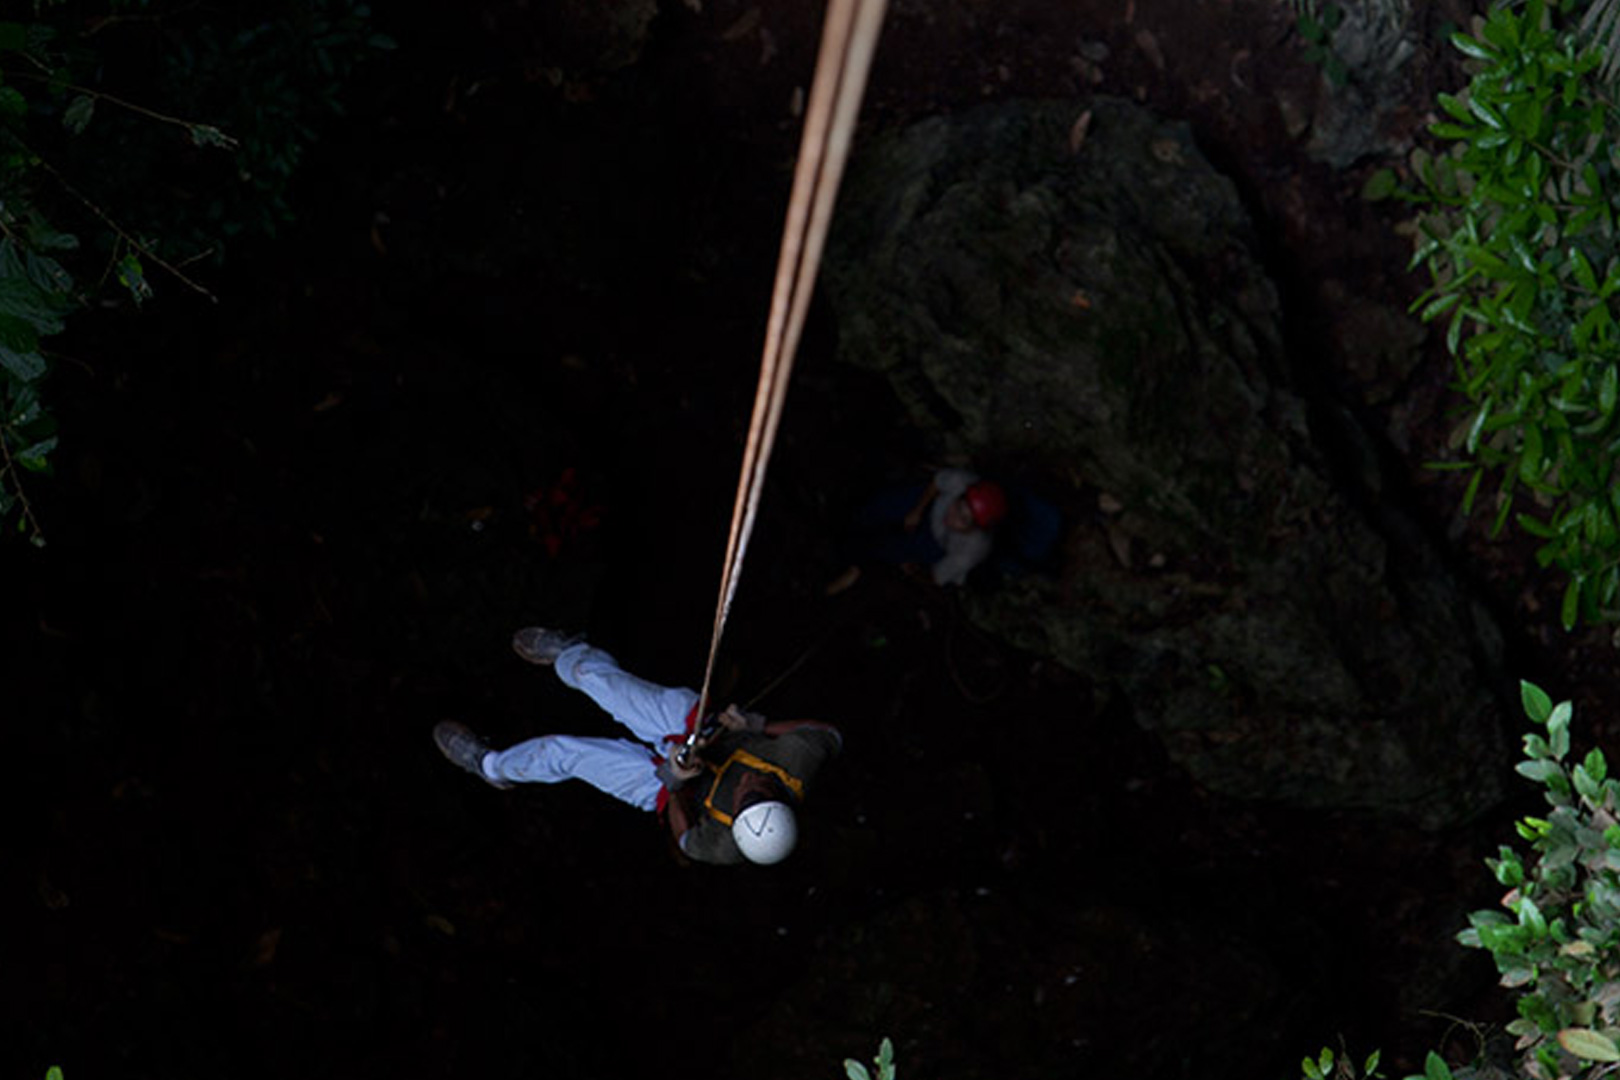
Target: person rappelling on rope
(729, 788)
(730, 793)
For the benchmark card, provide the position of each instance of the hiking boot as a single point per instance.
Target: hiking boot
(464, 749)
(538, 645)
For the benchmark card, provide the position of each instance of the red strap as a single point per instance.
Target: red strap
(691, 721)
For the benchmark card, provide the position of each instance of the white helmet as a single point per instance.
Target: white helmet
(766, 832)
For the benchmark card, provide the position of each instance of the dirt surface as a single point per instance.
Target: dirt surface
(498, 378)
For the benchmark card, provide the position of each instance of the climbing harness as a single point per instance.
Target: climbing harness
(758, 764)
(848, 39)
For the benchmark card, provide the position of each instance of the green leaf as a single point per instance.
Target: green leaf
(1439, 306)
(1584, 273)
(1589, 1045)
(132, 276)
(12, 103)
(1454, 330)
(76, 117)
(1474, 429)
(1454, 106)
(1470, 47)
(1452, 131)
(1540, 770)
(1571, 608)
(22, 299)
(36, 458)
(1596, 766)
(1537, 704)
(1435, 1067)
(1585, 786)
(1504, 507)
(1532, 461)
(1472, 491)
(1558, 729)
(19, 349)
(1534, 526)
(42, 237)
(855, 1070)
(1487, 114)
(1379, 186)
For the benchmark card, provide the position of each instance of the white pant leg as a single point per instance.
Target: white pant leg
(621, 768)
(650, 711)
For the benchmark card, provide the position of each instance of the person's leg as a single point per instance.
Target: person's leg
(619, 767)
(650, 711)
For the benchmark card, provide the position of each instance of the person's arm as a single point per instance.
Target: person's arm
(914, 516)
(782, 727)
(736, 719)
(681, 810)
(680, 814)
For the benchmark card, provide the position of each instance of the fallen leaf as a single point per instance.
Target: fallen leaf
(1119, 542)
(1077, 133)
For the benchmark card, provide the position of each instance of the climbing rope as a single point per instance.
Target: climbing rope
(848, 39)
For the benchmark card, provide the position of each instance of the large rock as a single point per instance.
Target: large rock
(1082, 301)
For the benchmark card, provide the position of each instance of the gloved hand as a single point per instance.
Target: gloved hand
(735, 719)
(672, 773)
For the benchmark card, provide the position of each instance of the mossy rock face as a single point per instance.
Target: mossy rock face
(1068, 291)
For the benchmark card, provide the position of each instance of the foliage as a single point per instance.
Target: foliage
(1327, 1066)
(1558, 945)
(882, 1065)
(71, 223)
(1518, 237)
(1316, 26)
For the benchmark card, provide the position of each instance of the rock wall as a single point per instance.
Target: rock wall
(1069, 293)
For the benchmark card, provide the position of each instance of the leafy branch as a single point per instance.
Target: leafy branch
(1518, 237)
(113, 226)
(1558, 941)
(266, 74)
(76, 117)
(882, 1065)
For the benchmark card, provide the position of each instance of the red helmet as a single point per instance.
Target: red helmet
(987, 502)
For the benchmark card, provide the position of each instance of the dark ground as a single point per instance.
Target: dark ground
(289, 533)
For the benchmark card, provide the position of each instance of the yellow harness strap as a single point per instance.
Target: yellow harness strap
(758, 764)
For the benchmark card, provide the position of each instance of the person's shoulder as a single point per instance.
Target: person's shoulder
(709, 841)
(817, 733)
